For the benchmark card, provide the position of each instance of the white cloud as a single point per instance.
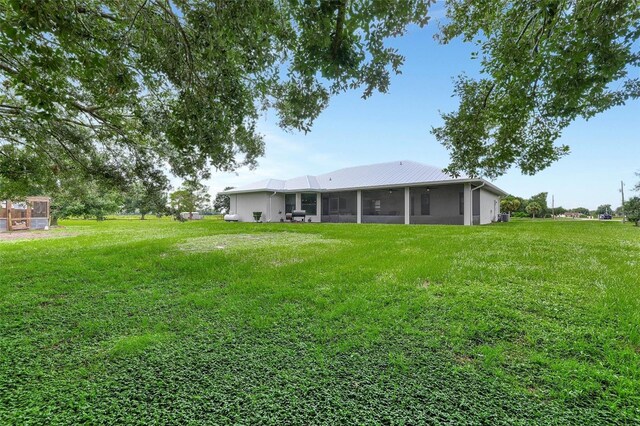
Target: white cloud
(287, 155)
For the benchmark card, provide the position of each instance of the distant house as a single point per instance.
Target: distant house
(397, 192)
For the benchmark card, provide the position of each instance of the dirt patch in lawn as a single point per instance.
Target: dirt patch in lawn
(251, 241)
(32, 235)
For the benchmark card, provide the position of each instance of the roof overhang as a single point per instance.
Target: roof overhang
(488, 185)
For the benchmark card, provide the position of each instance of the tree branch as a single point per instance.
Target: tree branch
(84, 10)
(183, 34)
(337, 38)
(133, 21)
(7, 68)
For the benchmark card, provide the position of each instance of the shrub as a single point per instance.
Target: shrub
(632, 210)
(533, 208)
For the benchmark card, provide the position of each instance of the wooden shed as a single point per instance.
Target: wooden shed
(32, 213)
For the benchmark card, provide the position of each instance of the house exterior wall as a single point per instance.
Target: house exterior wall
(245, 204)
(444, 206)
(277, 208)
(489, 206)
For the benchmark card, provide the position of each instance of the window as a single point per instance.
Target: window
(461, 198)
(425, 203)
(289, 203)
(310, 203)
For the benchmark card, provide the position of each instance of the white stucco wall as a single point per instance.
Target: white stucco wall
(277, 208)
(444, 206)
(489, 206)
(245, 204)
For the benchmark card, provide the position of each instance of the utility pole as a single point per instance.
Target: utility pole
(622, 192)
(553, 207)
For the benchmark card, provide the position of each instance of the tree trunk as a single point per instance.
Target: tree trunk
(142, 216)
(54, 221)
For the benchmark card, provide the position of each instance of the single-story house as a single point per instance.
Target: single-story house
(397, 192)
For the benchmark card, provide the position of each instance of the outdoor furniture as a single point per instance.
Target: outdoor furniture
(298, 214)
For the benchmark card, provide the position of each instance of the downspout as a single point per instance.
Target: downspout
(274, 193)
(471, 201)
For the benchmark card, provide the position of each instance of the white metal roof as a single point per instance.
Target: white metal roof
(396, 173)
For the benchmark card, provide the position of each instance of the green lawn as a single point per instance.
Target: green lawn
(143, 322)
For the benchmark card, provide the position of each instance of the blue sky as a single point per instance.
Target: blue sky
(396, 126)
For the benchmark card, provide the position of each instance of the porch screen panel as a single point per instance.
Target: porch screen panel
(19, 218)
(475, 203)
(39, 214)
(340, 207)
(19, 211)
(439, 205)
(39, 209)
(383, 206)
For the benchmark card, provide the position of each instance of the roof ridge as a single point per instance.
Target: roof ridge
(380, 164)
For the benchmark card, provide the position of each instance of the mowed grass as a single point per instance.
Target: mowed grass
(160, 322)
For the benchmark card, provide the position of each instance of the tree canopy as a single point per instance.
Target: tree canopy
(533, 208)
(544, 64)
(143, 199)
(510, 204)
(88, 199)
(604, 209)
(118, 90)
(632, 210)
(192, 196)
(222, 202)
